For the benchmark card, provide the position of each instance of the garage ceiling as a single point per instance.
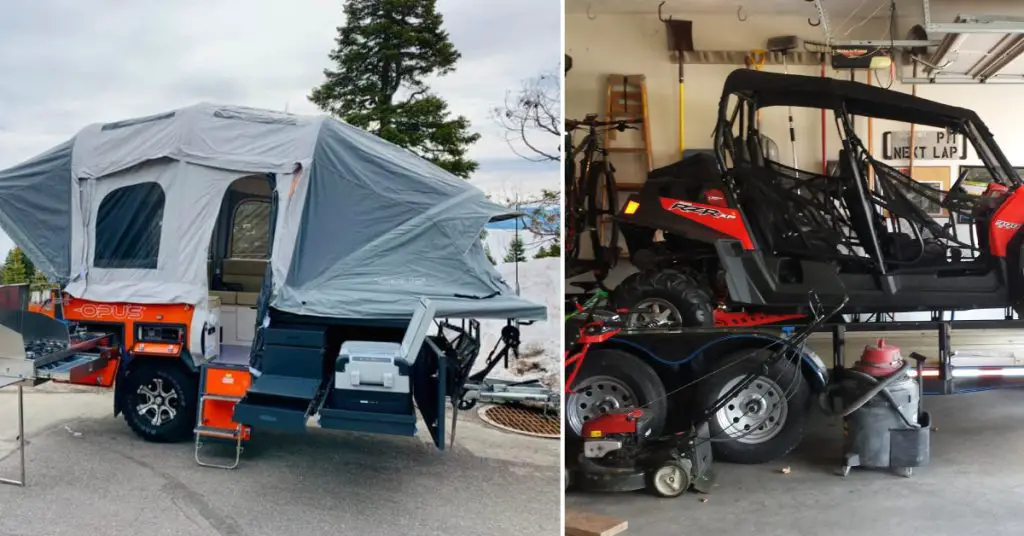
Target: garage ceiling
(836, 8)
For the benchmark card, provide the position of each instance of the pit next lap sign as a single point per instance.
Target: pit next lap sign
(928, 145)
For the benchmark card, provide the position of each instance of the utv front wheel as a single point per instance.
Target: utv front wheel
(160, 402)
(665, 298)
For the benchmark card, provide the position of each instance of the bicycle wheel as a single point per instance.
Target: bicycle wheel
(571, 218)
(602, 203)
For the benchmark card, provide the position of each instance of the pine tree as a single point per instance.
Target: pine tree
(17, 268)
(516, 251)
(385, 50)
(487, 252)
(554, 250)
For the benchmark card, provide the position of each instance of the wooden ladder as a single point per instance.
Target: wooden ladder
(627, 99)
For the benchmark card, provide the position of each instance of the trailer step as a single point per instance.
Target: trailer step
(235, 436)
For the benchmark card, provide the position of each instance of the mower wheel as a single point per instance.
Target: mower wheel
(160, 402)
(668, 480)
(765, 420)
(610, 380)
(664, 298)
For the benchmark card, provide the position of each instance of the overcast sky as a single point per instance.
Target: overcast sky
(69, 63)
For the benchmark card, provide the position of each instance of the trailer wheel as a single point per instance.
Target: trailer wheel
(765, 420)
(665, 298)
(613, 379)
(160, 402)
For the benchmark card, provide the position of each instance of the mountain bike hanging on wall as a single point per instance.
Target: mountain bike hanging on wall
(590, 194)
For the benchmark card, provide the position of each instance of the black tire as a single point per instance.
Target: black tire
(692, 301)
(171, 378)
(647, 388)
(787, 376)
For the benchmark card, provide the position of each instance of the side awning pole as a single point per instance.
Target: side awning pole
(21, 439)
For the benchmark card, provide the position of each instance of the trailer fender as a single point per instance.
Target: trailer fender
(812, 366)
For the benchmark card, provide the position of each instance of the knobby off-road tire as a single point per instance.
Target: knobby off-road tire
(168, 386)
(613, 379)
(692, 302)
(778, 401)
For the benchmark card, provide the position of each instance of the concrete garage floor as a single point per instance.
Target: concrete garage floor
(106, 481)
(974, 485)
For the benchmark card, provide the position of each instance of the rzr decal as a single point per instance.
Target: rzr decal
(722, 220)
(1006, 223)
(683, 206)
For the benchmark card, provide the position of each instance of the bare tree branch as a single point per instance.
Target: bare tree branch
(532, 118)
(541, 213)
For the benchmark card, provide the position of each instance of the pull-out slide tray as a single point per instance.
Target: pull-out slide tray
(280, 402)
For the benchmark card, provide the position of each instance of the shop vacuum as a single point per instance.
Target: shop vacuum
(880, 404)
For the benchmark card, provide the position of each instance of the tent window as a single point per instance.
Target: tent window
(250, 230)
(128, 227)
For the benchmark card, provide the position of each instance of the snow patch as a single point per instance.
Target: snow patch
(540, 349)
(498, 241)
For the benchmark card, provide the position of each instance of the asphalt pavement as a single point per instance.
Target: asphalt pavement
(89, 474)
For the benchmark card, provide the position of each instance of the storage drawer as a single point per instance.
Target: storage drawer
(262, 411)
(298, 361)
(370, 401)
(374, 423)
(226, 381)
(294, 337)
(72, 368)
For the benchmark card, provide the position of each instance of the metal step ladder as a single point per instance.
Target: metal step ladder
(222, 388)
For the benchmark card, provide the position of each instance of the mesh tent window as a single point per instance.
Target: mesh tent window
(250, 230)
(128, 226)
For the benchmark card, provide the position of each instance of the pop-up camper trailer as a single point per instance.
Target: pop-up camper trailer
(231, 253)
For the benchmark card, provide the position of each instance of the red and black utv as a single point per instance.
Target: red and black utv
(739, 233)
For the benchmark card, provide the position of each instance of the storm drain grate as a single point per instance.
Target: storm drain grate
(523, 420)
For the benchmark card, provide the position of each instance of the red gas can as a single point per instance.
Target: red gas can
(879, 360)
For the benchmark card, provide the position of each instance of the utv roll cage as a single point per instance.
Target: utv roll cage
(867, 226)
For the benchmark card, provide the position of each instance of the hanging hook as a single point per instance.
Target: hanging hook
(589, 16)
(818, 23)
(739, 14)
(662, 18)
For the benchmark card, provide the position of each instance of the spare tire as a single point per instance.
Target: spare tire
(613, 379)
(664, 298)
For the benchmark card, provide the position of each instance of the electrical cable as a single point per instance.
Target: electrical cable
(866, 19)
(850, 16)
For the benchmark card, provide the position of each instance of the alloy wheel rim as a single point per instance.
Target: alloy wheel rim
(158, 403)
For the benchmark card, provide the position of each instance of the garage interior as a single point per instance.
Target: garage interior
(622, 57)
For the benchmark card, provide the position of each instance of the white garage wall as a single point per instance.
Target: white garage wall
(637, 44)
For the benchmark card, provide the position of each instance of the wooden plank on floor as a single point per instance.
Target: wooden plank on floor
(579, 523)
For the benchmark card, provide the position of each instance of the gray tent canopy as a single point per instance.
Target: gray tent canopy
(124, 212)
